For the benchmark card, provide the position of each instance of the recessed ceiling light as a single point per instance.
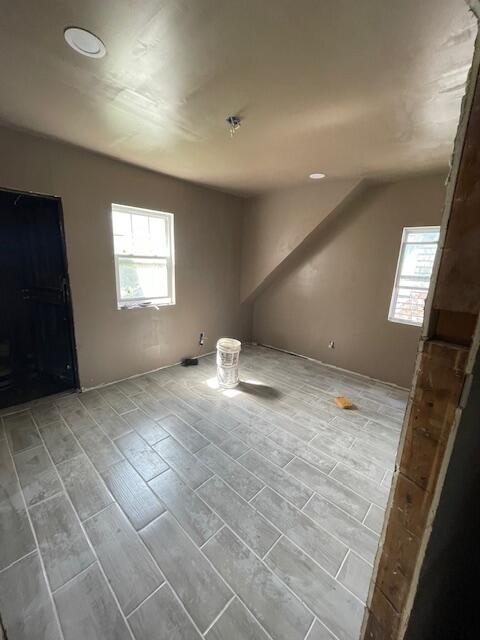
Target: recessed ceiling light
(317, 176)
(84, 42)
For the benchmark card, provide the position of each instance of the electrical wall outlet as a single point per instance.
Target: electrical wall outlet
(202, 338)
(331, 344)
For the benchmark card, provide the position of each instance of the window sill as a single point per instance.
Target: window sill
(407, 322)
(150, 304)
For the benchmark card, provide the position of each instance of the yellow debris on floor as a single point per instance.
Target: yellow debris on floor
(343, 402)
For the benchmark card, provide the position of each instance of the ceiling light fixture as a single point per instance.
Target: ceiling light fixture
(317, 176)
(84, 42)
(233, 123)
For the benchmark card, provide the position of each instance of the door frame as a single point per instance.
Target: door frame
(63, 245)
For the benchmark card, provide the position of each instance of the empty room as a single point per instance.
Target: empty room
(240, 258)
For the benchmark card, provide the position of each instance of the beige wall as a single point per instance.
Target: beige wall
(339, 286)
(114, 344)
(278, 222)
(338, 245)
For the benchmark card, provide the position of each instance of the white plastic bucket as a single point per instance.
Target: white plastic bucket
(228, 352)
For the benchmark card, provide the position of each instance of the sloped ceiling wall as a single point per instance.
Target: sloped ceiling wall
(337, 285)
(277, 223)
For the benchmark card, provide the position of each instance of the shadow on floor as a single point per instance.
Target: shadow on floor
(257, 389)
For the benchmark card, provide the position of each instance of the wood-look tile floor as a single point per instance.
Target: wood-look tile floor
(162, 508)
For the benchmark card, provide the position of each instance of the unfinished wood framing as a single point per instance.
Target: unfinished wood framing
(444, 364)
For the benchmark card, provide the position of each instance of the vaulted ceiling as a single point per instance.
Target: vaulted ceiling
(348, 88)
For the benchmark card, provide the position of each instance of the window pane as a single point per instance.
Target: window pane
(149, 236)
(421, 283)
(423, 236)
(418, 260)
(143, 246)
(123, 244)
(412, 281)
(140, 235)
(142, 278)
(121, 223)
(139, 225)
(122, 232)
(158, 233)
(410, 304)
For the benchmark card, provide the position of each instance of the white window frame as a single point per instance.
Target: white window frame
(168, 257)
(396, 288)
